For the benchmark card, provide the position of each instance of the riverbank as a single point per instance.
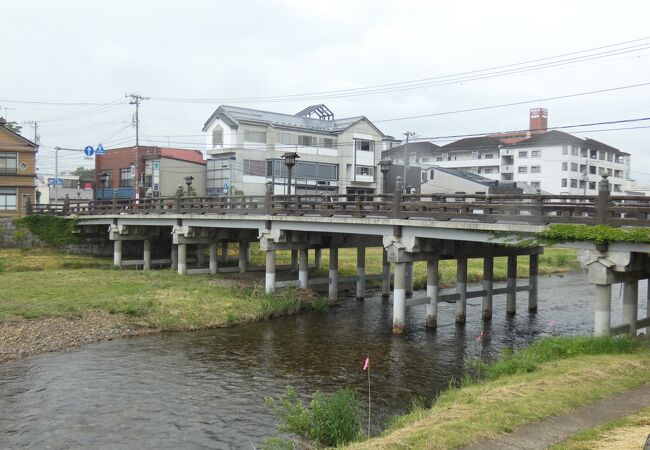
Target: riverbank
(53, 301)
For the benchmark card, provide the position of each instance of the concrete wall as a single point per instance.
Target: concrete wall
(173, 173)
(13, 237)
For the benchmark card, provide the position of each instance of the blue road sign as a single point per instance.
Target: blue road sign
(100, 150)
(89, 150)
(54, 182)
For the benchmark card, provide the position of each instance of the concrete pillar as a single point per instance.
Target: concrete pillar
(243, 255)
(630, 304)
(117, 254)
(399, 298)
(303, 274)
(647, 306)
(385, 271)
(213, 258)
(603, 310)
(200, 256)
(533, 269)
(174, 257)
(432, 293)
(511, 285)
(361, 273)
(224, 252)
(147, 254)
(488, 286)
(409, 278)
(270, 271)
(182, 259)
(461, 289)
(318, 258)
(294, 260)
(334, 273)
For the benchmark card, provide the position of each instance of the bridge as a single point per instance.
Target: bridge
(409, 228)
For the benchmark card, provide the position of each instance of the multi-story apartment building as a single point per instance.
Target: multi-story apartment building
(17, 172)
(552, 161)
(245, 147)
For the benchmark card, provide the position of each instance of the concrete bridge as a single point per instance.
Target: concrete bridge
(409, 228)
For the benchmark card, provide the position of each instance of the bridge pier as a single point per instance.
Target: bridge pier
(603, 310)
(117, 253)
(243, 256)
(303, 268)
(361, 272)
(533, 268)
(432, 293)
(488, 286)
(294, 260)
(334, 273)
(213, 257)
(630, 304)
(182, 259)
(174, 257)
(461, 289)
(399, 298)
(409, 278)
(318, 258)
(270, 271)
(146, 254)
(511, 285)
(385, 281)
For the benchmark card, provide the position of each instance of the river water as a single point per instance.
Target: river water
(207, 389)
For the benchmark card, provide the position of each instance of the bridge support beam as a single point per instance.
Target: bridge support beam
(461, 289)
(213, 258)
(385, 271)
(182, 259)
(174, 257)
(409, 278)
(533, 268)
(270, 271)
(488, 286)
(399, 298)
(361, 272)
(117, 254)
(243, 256)
(303, 273)
(146, 254)
(318, 258)
(511, 286)
(603, 310)
(334, 273)
(630, 304)
(432, 293)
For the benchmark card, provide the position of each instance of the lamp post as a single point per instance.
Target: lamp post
(289, 161)
(384, 168)
(103, 178)
(188, 182)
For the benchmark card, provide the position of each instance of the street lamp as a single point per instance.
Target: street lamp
(188, 182)
(103, 178)
(384, 168)
(289, 161)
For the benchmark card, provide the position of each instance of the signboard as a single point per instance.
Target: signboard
(100, 150)
(89, 151)
(88, 186)
(225, 187)
(155, 175)
(156, 165)
(54, 182)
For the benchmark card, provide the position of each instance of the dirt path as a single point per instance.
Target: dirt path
(541, 435)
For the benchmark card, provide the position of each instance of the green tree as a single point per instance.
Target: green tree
(13, 126)
(85, 175)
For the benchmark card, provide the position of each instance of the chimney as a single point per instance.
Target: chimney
(538, 120)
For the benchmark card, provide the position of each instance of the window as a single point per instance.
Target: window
(258, 137)
(535, 153)
(535, 169)
(592, 185)
(610, 157)
(593, 170)
(252, 167)
(438, 158)
(610, 172)
(7, 199)
(307, 141)
(583, 152)
(618, 173)
(475, 155)
(445, 157)
(217, 136)
(535, 184)
(564, 184)
(602, 156)
(583, 168)
(522, 169)
(617, 188)
(327, 142)
(582, 184)
(367, 146)
(574, 183)
(8, 162)
(425, 159)
(487, 170)
(565, 150)
(424, 177)
(488, 156)
(126, 177)
(565, 166)
(593, 154)
(574, 167)
(365, 171)
(523, 154)
(287, 138)
(574, 150)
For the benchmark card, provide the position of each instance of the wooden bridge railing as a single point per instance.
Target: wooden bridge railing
(523, 208)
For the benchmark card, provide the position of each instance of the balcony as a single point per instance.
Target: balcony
(508, 168)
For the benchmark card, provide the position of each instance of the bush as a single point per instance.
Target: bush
(599, 234)
(50, 229)
(328, 420)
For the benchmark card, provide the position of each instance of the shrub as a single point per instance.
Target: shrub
(599, 234)
(50, 229)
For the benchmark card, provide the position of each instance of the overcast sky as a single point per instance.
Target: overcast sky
(95, 52)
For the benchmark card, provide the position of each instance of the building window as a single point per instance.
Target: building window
(593, 170)
(565, 150)
(475, 155)
(593, 154)
(574, 167)
(445, 157)
(564, 182)
(424, 177)
(365, 171)
(425, 160)
(617, 188)
(523, 154)
(610, 172)
(487, 170)
(8, 162)
(565, 166)
(582, 184)
(522, 169)
(574, 150)
(438, 158)
(535, 184)
(592, 185)
(367, 146)
(583, 152)
(217, 136)
(535, 169)
(488, 156)
(258, 137)
(610, 157)
(602, 156)
(574, 183)
(307, 141)
(535, 153)
(252, 167)
(583, 168)
(126, 177)
(618, 173)
(7, 199)
(287, 138)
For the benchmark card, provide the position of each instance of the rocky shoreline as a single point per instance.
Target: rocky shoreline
(25, 338)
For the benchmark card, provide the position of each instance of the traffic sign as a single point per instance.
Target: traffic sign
(100, 150)
(89, 150)
(156, 165)
(54, 182)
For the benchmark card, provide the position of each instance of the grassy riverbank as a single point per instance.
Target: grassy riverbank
(546, 379)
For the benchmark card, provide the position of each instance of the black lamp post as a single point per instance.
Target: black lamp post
(104, 180)
(384, 168)
(188, 182)
(289, 161)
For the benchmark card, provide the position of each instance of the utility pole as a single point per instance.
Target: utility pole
(135, 100)
(408, 134)
(34, 124)
(56, 173)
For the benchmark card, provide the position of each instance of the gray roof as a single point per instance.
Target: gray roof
(470, 176)
(233, 115)
(419, 148)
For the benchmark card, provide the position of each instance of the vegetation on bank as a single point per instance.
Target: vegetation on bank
(52, 230)
(599, 234)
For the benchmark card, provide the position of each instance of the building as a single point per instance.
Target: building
(552, 161)
(17, 172)
(53, 190)
(245, 147)
(159, 172)
(452, 181)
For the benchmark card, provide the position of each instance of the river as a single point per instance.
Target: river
(207, 389)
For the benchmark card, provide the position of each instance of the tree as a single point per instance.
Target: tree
(85, 175)
(13, 126)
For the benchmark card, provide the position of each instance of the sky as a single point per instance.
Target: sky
(68, 65)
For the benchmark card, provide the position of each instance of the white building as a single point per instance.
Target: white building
(336, 155)
(51, 190)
